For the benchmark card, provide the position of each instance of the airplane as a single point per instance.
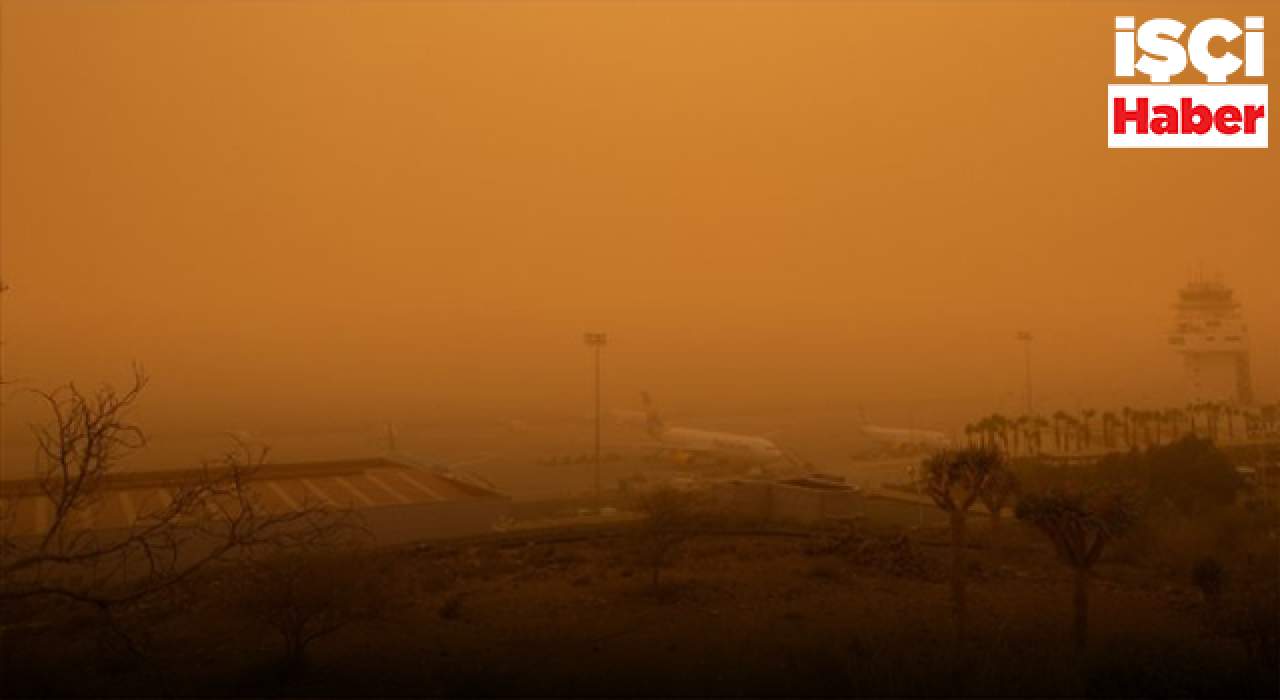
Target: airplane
(690, 446)
(906, 440)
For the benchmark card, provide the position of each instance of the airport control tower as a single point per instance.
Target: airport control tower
(1213, 339)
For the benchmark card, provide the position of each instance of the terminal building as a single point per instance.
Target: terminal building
(396, 500)
(1213, 339)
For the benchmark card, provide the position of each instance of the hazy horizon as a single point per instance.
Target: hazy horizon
(300, 216)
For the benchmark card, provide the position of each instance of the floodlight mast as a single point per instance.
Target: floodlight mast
(597, 341)
(1026, 338)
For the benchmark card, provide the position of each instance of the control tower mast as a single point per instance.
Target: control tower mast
(1211, 335)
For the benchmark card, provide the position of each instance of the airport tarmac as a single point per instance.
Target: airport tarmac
(537, 461)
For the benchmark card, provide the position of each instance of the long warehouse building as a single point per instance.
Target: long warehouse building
(397, 501)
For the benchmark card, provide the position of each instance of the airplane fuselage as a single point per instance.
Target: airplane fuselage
(907, 437)
(728, 444)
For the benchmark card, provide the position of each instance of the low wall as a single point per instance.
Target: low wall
(782, 501)
(398, 524)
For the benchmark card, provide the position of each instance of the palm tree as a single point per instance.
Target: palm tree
(1002, 430)
(1041, 424)
(1109, 424)
(991, 427)
(1068, 431)
(1156, 419)
(1136, 428)
(1031, 434)
(1270, 416)
(1252, 423)
(1026, 427)
(1151, 428)
(1214, 410)
(1173, 417)
(1058, 418)
(1087, 430)
(984, 432)
(1078, 432)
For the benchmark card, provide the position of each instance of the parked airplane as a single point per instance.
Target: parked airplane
(906, 439)
(688, 446)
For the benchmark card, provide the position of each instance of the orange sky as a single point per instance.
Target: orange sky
(326, 210)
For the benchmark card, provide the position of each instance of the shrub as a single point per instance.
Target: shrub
(1209, 577)
(307, 595)
(672, 518)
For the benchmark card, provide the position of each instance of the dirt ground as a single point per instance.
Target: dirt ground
(736, 614)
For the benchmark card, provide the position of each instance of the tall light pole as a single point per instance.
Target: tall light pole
(1025, 337)
(597, 342)
(3, 288)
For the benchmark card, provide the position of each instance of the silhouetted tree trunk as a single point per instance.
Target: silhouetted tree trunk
(673, 518)
(958, 562)
(1001, 485)
(1080, 522)
(295, 649)
(1081, 608)
(954, 480)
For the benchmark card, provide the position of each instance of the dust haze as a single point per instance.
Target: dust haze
(343, 230)
(299, 215)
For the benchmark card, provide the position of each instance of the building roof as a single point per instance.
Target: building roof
(346, 484)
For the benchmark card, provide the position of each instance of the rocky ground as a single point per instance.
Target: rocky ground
(791, 612)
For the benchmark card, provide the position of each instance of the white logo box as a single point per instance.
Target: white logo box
(1211, 96)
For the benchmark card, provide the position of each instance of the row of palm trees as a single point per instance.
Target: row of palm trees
(1087, 430)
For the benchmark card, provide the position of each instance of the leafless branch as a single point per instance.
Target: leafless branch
(212, 516)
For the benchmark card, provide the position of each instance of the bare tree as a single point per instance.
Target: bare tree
(954, 479)
(1081, 522)
(305, 594)
(672, 518)
(211, 514)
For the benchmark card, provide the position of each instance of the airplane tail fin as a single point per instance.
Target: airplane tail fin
(794, 459)
(863, 423)
(653, 422)
(391, 434)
